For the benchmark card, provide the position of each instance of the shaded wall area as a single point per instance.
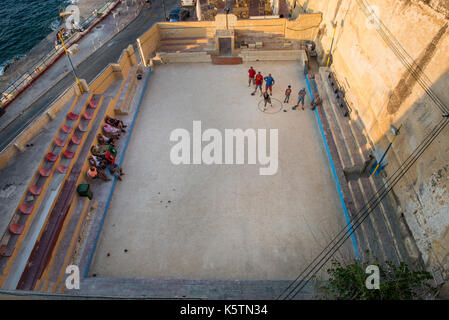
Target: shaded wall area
(383, 91)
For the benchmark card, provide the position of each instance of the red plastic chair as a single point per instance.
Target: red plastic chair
(59, 142)
(16, 228)
(35, 190)
(26, 208)
(44, 172)
(93, 104)
(76, 140)
(87, 116)
(69, 154)
(66, 129)
(62, 169)
(72, 116)
(51, 157)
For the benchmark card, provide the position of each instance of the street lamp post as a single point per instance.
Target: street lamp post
(395, 132)
(332, 45)
(71, 64)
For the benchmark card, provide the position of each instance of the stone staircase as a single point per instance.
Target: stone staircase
(190, 289)
(182, 49)
(126, 92)
(272, 55)
(59, 231)
(180, 45)
(73, 243)
(261, 46)
(381, 233)
(51, 278)
(269, 41)
(52, 179)
(202, 49)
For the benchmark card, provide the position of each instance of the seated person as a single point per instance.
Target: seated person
(110, 131)
(102, 139)
(99, 150)
(115, 123)
(97, 161)
(94, 173)
(316, 101)
(115, 170)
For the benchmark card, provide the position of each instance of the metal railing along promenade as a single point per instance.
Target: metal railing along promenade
(26, 78)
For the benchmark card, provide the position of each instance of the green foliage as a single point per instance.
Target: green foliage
(397, 282)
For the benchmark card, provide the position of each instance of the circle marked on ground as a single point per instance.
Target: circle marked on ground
(275, 107)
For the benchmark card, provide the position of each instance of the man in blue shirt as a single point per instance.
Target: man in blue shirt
(269, 82)
(301, 97)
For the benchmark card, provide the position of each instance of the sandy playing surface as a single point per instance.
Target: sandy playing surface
(219, 221)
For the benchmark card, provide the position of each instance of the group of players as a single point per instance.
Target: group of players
(256, 79)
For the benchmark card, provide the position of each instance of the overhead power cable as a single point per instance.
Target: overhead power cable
(326, 254)
(405, 58)
(423, 80)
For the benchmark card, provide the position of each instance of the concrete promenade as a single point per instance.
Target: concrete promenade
(115, 22)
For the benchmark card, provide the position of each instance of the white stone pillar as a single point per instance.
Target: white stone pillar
(275, 6)
(198, 9)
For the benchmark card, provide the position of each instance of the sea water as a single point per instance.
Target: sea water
(23, 23)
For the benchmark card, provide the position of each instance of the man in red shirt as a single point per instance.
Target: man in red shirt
(259, 81)
(252, 74)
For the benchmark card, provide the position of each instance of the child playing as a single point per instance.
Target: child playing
(288, 91)
(267, 99)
